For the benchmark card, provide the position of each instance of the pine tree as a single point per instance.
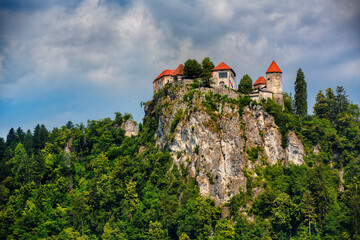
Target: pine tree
(300, 94)
(331, 101)
(341, 101)
(321, 107)
(11, 138)
(20, 134)
(308, 208)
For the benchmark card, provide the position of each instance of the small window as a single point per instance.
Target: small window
(223, 74)
(222, 83)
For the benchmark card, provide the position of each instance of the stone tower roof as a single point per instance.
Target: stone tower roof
(273, 68)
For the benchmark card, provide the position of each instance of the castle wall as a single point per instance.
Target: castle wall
(260, 95)
(217, 81)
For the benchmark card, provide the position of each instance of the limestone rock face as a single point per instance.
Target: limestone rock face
(130, 128)
(295, 150)
(216, 147)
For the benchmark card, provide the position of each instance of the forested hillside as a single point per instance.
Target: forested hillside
(93, 182)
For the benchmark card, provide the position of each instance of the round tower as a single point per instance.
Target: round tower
(274, 82)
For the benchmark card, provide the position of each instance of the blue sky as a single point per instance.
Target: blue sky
(79, 60)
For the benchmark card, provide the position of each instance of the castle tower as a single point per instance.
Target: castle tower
(274, 82)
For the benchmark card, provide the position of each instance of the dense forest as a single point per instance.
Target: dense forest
(93, 182)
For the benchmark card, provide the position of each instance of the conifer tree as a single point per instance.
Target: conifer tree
(11, 137)
(331, 101)
(321, 107)
(341, 101)
(308, 208)
(300, 94)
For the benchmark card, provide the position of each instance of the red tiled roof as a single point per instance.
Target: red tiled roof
(273, 68)
(260, 80)
(166, 72)
(179, 70)
(223, 66)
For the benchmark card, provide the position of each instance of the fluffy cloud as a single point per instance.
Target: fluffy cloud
(118, 49)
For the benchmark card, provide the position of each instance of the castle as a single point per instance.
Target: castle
(271, 87)
(223, 75)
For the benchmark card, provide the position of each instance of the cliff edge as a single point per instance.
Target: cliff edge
(217, 135)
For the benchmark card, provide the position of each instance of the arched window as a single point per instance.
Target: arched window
(222, 83)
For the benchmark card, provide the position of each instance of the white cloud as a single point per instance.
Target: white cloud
(113, 46)
(94, 44)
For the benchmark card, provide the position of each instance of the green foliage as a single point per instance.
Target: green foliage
(253, 153)
(206, 72)
(288, 103)
(245, 85)
(192, 68)
(195, 84)
(92, 182)
(176, 120)
(300, 94)
(322, 108)
(283, 120)
(224, 230)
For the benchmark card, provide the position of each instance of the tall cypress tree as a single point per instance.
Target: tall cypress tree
(300, 94)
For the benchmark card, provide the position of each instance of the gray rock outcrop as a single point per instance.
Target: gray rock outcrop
(215, 152)
(130, 128)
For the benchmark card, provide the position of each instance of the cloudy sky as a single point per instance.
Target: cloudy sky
(79, 60)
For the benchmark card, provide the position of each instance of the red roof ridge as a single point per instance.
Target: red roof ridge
(166, 72)
(260, 80)
(223, 66)
(273, 68)
(179, 70)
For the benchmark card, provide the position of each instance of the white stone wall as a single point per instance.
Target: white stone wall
(217, 80)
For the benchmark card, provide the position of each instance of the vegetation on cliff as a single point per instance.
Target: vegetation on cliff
(93, 182)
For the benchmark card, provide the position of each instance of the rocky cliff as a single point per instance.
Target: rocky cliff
(217, 136)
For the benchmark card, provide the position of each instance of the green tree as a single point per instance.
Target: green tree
(224, 230)
(300, 94)
(321, 107)
(333, 221)
(206, 72)
(69, 125)
(331, 101)
(245, 85)
(341, 101)
(184, 236)
(22, 165)
(156, 231)
(308, 209)
(11, 138)
(192, 68)
(28, 141)
(20, 134)
(288, 102)
(40, 136)
(131, 199)
(282, 214)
